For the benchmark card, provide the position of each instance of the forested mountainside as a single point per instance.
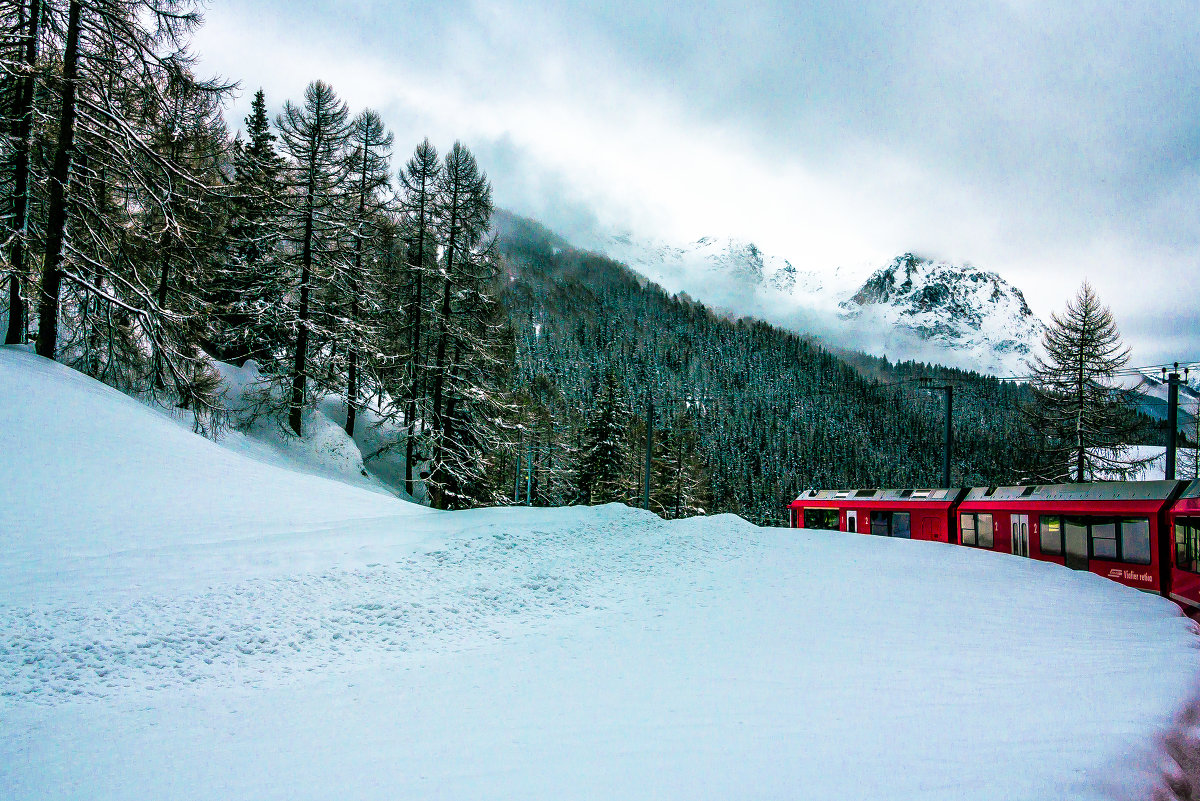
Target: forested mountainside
(763, 413)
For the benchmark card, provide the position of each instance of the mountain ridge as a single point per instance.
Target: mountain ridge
(936, 312)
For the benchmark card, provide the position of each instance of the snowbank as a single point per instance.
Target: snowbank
(195, 624)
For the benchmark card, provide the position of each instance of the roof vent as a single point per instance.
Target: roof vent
(865, 494)
(906, 493)
(1032, 488)
(921, 493)
(990, 492)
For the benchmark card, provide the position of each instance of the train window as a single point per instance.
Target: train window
(1187, 545)
(826, 519)
(901, 525)
(1135, 540)
(1104, 539)
(967, 522)
(1051, 535)
(881, 524)
(976, 529)
(983, 528)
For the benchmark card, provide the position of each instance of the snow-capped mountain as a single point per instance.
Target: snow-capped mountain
(912, 308)
(959, 308)
(725, 264)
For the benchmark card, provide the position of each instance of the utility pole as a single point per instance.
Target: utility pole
(948, 447)
(649, 446)
(517, 480)
(1172, 419)
(529, 477)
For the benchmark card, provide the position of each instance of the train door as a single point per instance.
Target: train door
(852, 522)
(1075, 542)
(1020, 534)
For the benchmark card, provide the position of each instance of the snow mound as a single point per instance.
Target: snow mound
(87, 471)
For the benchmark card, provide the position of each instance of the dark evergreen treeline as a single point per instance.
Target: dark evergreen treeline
(758, 413)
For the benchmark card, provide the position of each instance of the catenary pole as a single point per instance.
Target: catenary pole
(1172, 420)
(649, 447)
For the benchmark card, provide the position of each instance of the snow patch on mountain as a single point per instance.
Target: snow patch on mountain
(912, 308)
(958, 308)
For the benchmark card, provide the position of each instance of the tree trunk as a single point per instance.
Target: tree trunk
(296, 407)
(352, 352)
(439, 377)
(352, 364)
(16, 303)
(415, 355)
(56, 214)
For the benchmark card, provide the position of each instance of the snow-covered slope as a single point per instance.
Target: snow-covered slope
(179, 621)
(912, 308)
(948, 307)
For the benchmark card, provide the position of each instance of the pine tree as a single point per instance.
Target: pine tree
(1083, 418)
(314, 137)
(603, 474)
(247, 292)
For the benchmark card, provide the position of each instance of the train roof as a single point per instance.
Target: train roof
(1094, 491)
(1192, 491)
(934, 494)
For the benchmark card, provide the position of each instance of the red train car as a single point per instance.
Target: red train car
(1116, 529)
(1145, 534)
(1184, 521)
(919, 514)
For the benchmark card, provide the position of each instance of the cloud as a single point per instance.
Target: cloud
(1046, 141)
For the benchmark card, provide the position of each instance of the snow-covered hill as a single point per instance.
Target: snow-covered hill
(912, 308)
(178, 620)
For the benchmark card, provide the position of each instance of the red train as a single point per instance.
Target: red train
(1145, 534)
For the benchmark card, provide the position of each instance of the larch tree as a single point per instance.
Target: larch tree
(115, 186)
(1083, 417)
(367, 168)
(314, 136)
(472, 341)
(419, 179)
(20, 67)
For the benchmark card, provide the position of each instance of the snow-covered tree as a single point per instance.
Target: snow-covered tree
(314, 136)
(412, 291)
(20, 64)
(368, 154)
(1084, 418)
(247, 291)
(603, 474)
(472, 345)
(133, 133)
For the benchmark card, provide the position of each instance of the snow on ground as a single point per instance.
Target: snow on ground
(179, 621)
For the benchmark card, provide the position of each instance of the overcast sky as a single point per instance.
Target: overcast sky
(1050, 142)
